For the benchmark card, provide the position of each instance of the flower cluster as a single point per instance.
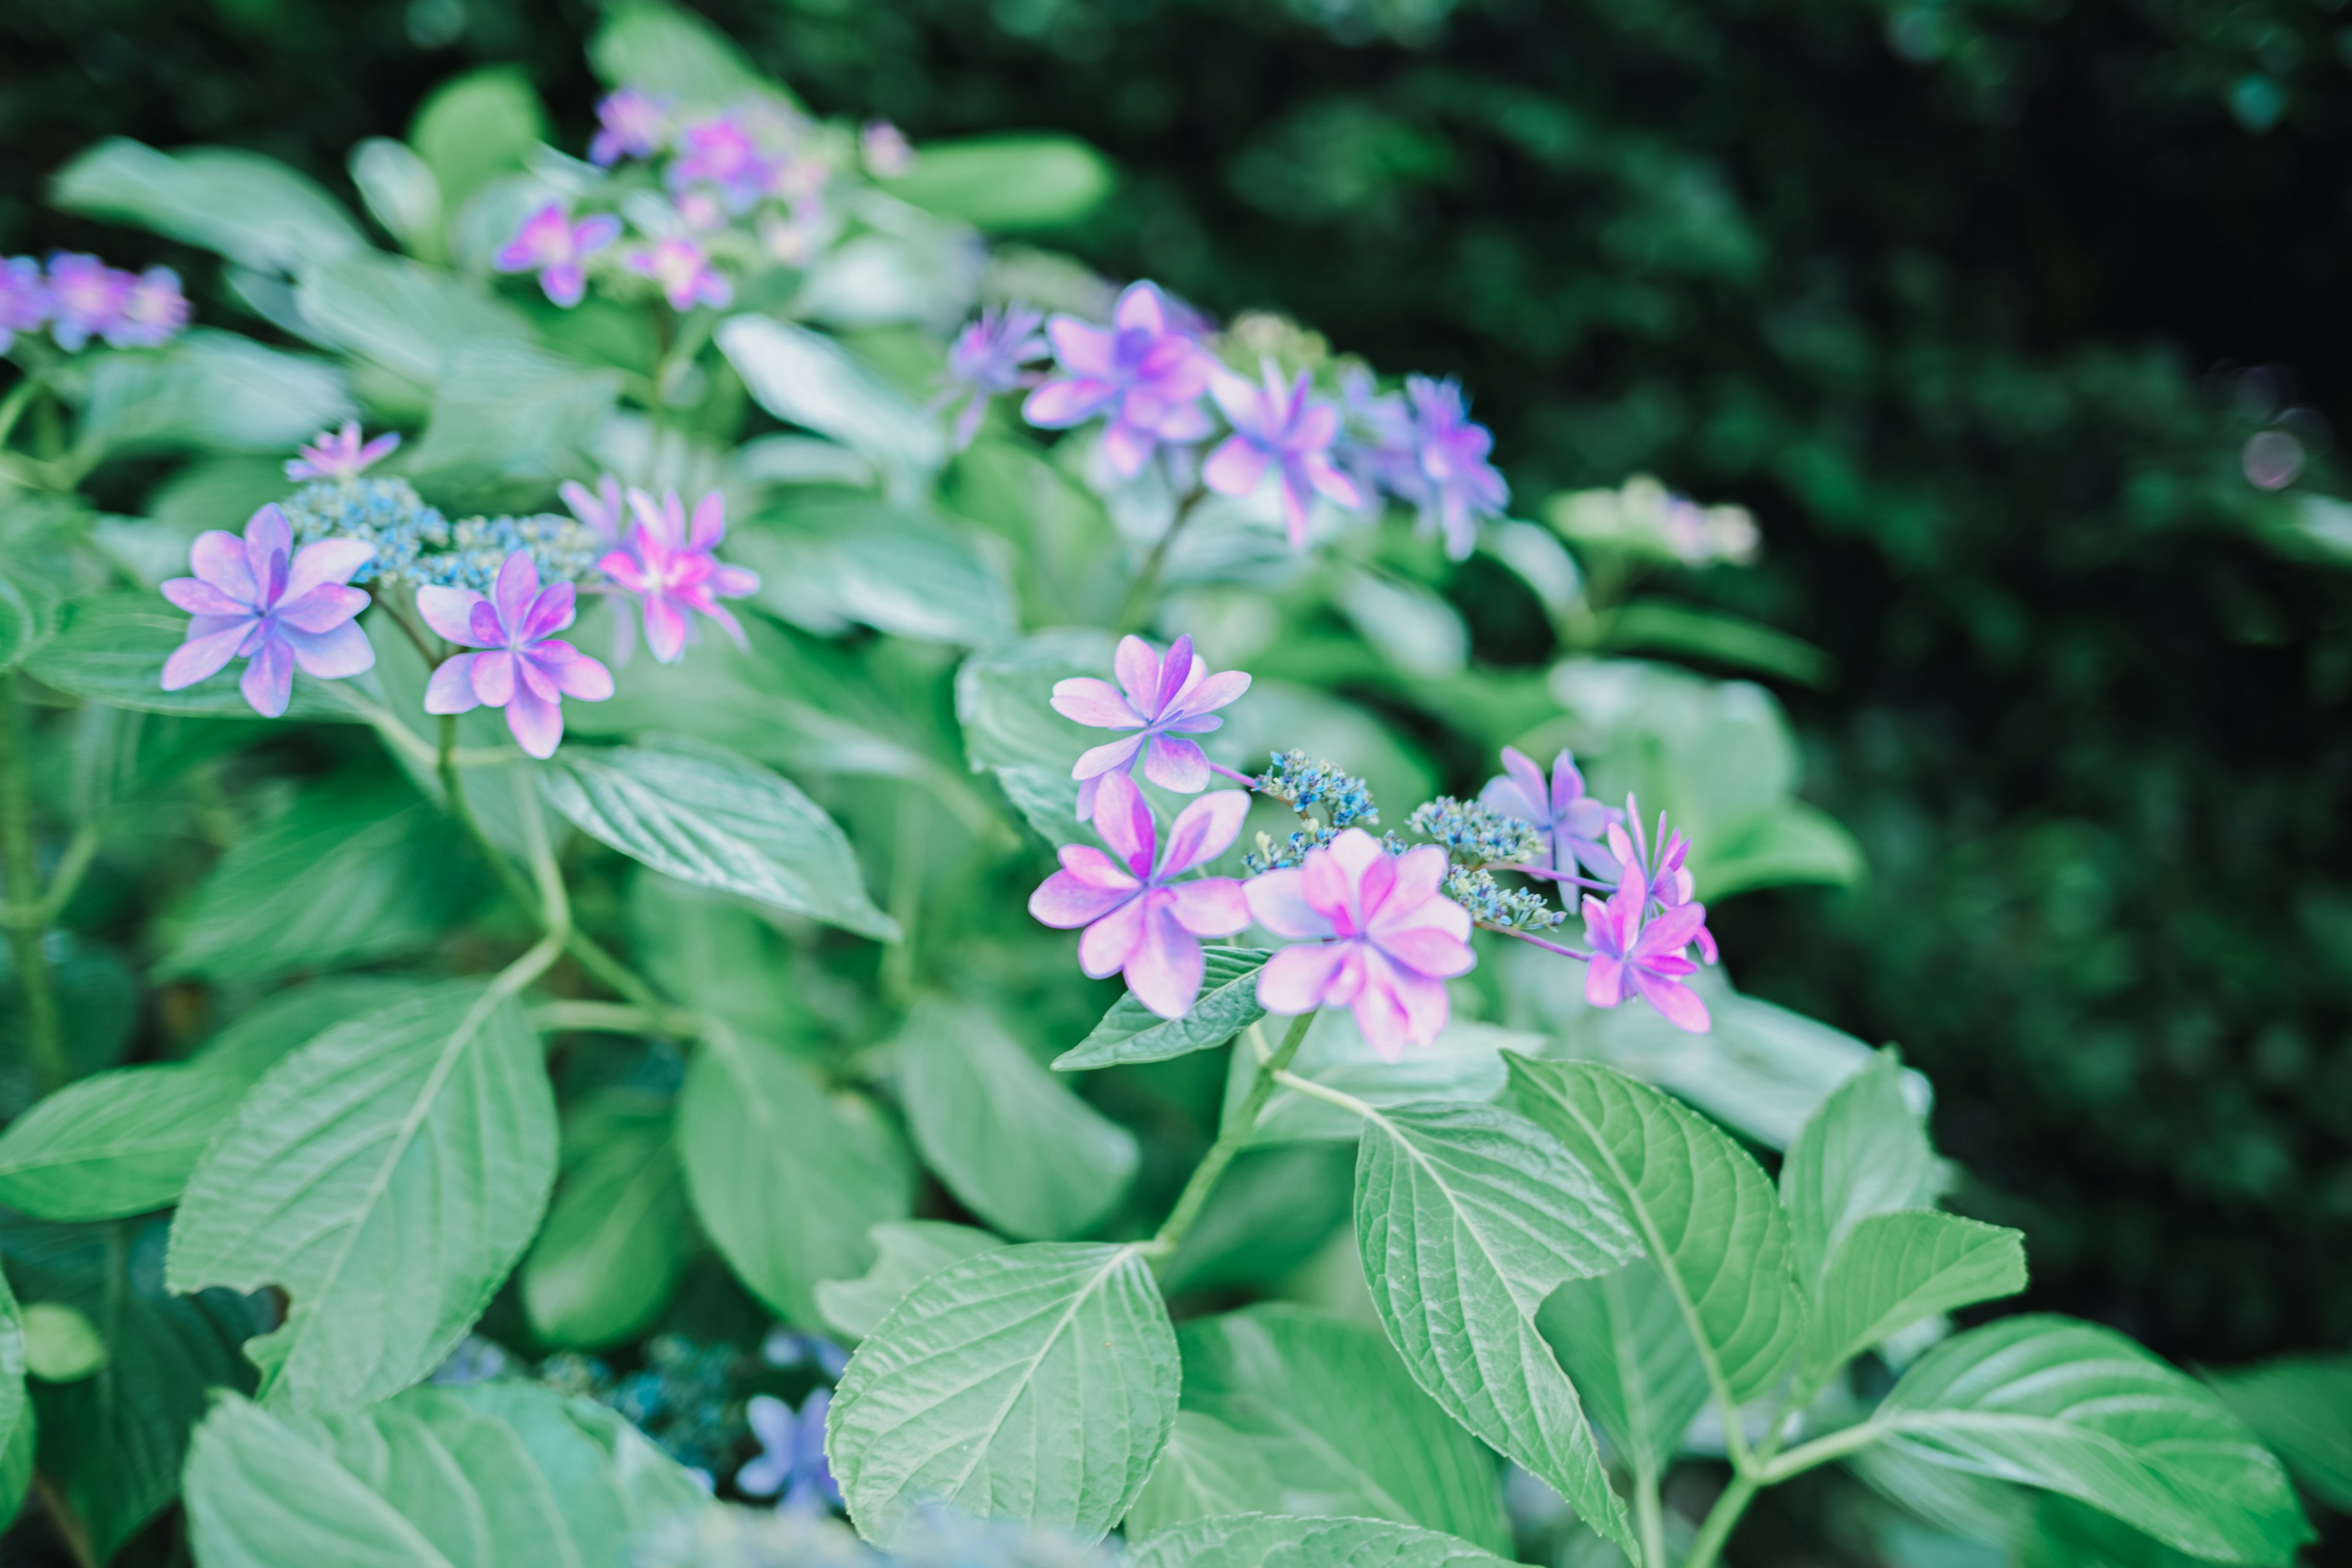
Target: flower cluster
(682, 1398)
(1476, 835)
(1644, 518)
(1492, 904)
(79, 297)
(1304, 783)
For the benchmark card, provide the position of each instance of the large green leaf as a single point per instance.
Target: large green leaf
(253, 210)
(1131, 1032)
(1463, 1063)
(385, 1176)
(16, 1421)
(2302, 1406)
(1207, 1468)
(906, 1253)
(407, 317)
(1337, 1424)
(112, 648)
(1624, 1344)
(831, 563)
(1035, 1382)
(261, 1038)
(1020, 181)
(1468, 1216)
(509, 420)
(1277, 1540)
(704, 816)
(117, 1144)
(30, 603)
(2080, 1410)
(1893, 1269)
(1863, 1151)
(1007, 1137)
(1004, 700)
(669, 50)
(212, 392)
(616, 1235)
(787, 1177)
(476, 126)
(804, 376)
(712, 947)
(1705, 1210)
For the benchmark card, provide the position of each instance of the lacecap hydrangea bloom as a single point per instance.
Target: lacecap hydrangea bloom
(1163, 701)
(1572, 824)
(523, 667)
(1456, 484)
(551, 245)
(1284, 428)
(632, 124)
(339, 453)
(1141, 372)
(666, 565)
(261, 600)
(87, 298)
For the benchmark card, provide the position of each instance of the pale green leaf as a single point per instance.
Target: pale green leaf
(1008, 1138)
(509, 420)
(670, 51)
(112, 648)
(253, 210)
(705, 815)
(16, 1462)
(1131, 1032)
(1207, 1468)
(1863, 1151)
(810, 380)
(1705, 1210)
(1004, 701)
(403, 315)
(473, 127)
(616, 1235)
(16, 1419)
(120, 1142)
(1009, 183)
(1035, 1382)
(2302, 1406)
(264, 1495)
(61, 1345)
(1468, 1216)
(261, 1038)
(211, 391)
(1276, 1540)
(1463, 1063)
(788, 1178)
(401, 194)
(1624, 1341)
(906, 1253)
(712, 947)
(386, 1176)
(831, 562)
(613, 1481)
(1891, 1270)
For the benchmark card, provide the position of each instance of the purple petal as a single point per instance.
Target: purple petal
(1245, 406)
(335, 654)
(494, 678)
(1677, 1003)
(1212, 905)
(1128, 447)
(269, 680)
(1235, 468)
(516, 588)
(1427, 952)
(1671, 931)
(323, 608)
(327, 560)
(1604, 981)
(1083, 347)
(1203, 831)
(266, 533)
(1164, 968)
(199, 597)
(1137, 665)
(1179, 668)
(1107, 758)
(1567, 789)
(1140, 308)
(1123, 820)
(1216, 691)
(201, 657)
(450, 613)
(565, 284)
(1277, 901)
(451, 690)
(552, 609)
(218, 558)
(1085, 700)
(1106, 945)
(538, 725)
(577, 676)
(1297, 979)
(665, 627)
(1089, 885)
(1529, 781)
(1058, 405)
(1174, 763)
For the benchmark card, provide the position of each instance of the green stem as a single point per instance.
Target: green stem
(45, 1031)
(1720, 1519)
(1821, 1451)
(1135, 609)
(1238, 1130)
(1650, 1518)
(906, 899)
(615, 1019)
(19, 398)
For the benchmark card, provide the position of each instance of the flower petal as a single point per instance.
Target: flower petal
(665, 627)
(1235, 468)
(218, 558)
(1058, 405)
(451, 690)
(335, 654)
(1677, 1003)
(323, 609)
(1204, 830)
(1106, 758)
(1214, 692)
(1089, 885)
(1137, 665)
(199, 597)
(1173, 762)
(1085, 700)
(538, 725)
(494, 678)
(269, 680)
(1604, 981)
(516, 588)
(1165, 968)
(450, 613)
(326, 561)
(1277, 901)
(1212, 905)
(1105, 947)
(1296, 979)
(578, 676)
(1122, 819)
(201, 656)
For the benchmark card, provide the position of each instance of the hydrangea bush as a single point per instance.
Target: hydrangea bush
(600, 1099)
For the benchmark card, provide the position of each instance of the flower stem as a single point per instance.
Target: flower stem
(1720, 1519)
(1245, 780)
(1235, 1137)
(1135, 609)
(1577, 953)
(1649, 1517)
(26, 913)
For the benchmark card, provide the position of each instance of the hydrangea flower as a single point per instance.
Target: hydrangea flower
(669, 568)
(792, 1453)
(259, 599)
(1140, 920)
(987, 358)
(1632, 952)
(1141, 369)
(722, 152)
(1667, 878)
(86, 298)
(600, 511)
(1282, 428)
(1572, 824)
(551, 245)
(524, 668)
(337, 454)
(634, 126)
(885, 148)
(1163, 701)
(23, 298)
(1459, 486)
(153, 311)
(1376, 442)
(684, 272)
(1374, 934)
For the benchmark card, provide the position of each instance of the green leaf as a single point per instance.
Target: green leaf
(713, 947)
(1035, 1382)
(211, 391)
(1004, 701)
(112, 648)
(1463, 1063)
(1337, 1425)
(404, 316)
(705, 815)
(262, 1494)
(1468, 1216)
(118, 1143)
(1664, 626)
(616, 1235)
(1009, 1139)
(261, 1038)
(1863, 1151)
(667, 50)
(1893, 1269)
(16, 1421)
(1704, 1208)
(2074, 1408)
(1623, 1339)
(1131, 1032)
(113, 1442)
(30, 605)
(2302, 1406)
(60, 1344)
(1275, 1541)
(16, 1462)
(833, 561)
(509, 420)
(401, 194)
(809, 380)
(344, 876)
(787, 1178)
(385, 1176)
(1011, 183)
(476, 126)
(613, 1481)
(906, 1253)
(1207, 1468)
(253, 210)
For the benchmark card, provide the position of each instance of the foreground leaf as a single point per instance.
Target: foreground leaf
(1036, 1383)
(906, 1253)
(2302, 1406)
(1206, 1470)
(1003, 697)
(16, 1424)
(1894, 1269)
(1468, 1216)
(253, 210)
(809, 379)
(1862, 1153)
(211, 391)
(1274, 1540)
(1131, 1032)
(386, 1176)
(118, 1143)
(1623, 1339)
(616, 1235)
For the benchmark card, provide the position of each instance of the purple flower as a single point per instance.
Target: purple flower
(1458, 485)
(337, 455)
(1139, 918)
(87, 298)
(1145, 373)
(23, 298)
(1375, 936)
(551, 245)
(669, 568)
(634, 127)
(249, 601)
(885, 148)
(722, 152)
(153, 311)
(792, 1453)
(1163, 701)
(685, 275)
(1633, 953)
(1375, 445)
(599, 510)
(1280, 428)
(987, 358)
(1667, 878)
(1572, 824)
(524, 670)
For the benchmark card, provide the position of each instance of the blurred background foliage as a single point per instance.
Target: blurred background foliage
(1990, 311)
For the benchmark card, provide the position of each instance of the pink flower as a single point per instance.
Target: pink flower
(1165, 700)
(525, 670)
(1571, 824)
(1375, 935)
(1139, 918)
(634, 127)
(86, 298)
(1144, 370)
(337, 455)
(250, 602)
(600, 509)
(153, 311)
(670, 570)
(1667, 879)
(1633, 953)
(1282, 428)
(684, 273)
(723, 152)
(551, 245)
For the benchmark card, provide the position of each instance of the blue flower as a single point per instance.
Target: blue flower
(792, 1453)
